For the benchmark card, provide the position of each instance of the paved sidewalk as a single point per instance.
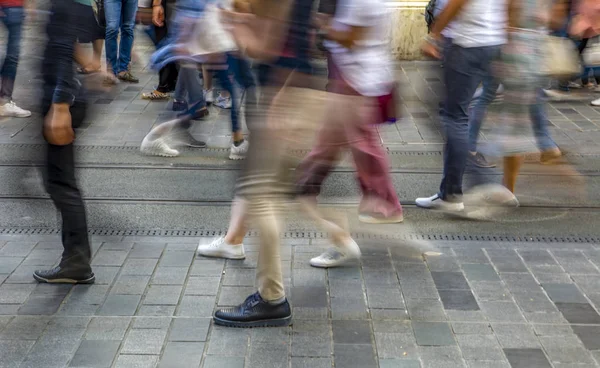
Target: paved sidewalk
(489, 304)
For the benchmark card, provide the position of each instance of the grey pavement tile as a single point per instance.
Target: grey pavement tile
(527, 358)
(354, 356)
(276, 336)
(214, 361)
(385, 298)
(207, 267)
(396, 345)
(380, 278)
(491, 291)
(89, 294)
(443, 263)
(575, 262)
(239, 277)
(351, 332)
(480, 272)
(170, 275)
(553, 278)
(564, 293)
(115, 245)
(309, 296)
(139, 267)
(516, 336)
(303, 313)
(15, 293)
(552, 330)
(77, 309)
(41, 305)
(308, 277)
(119, 305)
(232, 295)
(440, 353)
(144, 341)
(147, 250)
(268, 355)
(425, 310)
(537, 257)
(310, 344)
(109, 258)
(501, 311)
(105, 275)
(136, 361)
(546, 317)
(419, 290)
(589, 336)
(520, 282)
(202, 285)
(130, 285)
(182, 354)
(25, 328)
(176, 259)
(565, 349)
(189, 329)
(163, 295)
(443, 364)
(465, 316)
(579, 313)
(468, 328)
(344, 308)
(13, 352)
(392, 326)
(588, 283)
(196, 306)
(228, 342)
(487, 364)
(145, 322)
(156, 310)
(433, 333)
(458, 300)
(470, 255)
(534, 302)
(16, 249)
(345, 288)
(98, 354)
(309, 362)
(107, 328)
(9, 264)
(388, 314)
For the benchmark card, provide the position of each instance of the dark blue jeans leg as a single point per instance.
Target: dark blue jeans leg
(223, 76)
(463, 70)
(12, 18)
(490, 86)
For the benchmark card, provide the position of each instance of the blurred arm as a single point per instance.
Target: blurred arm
(446, 16)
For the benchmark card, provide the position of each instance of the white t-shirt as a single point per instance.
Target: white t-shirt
(366, 67)
(481, 23)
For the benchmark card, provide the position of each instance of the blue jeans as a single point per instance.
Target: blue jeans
(120, 16)
(239, 69)
(537, 113)
(12, 18)
(188, 81)
(464, 69)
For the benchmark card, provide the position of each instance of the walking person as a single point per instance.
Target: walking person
(59, 93)
(92, 33)
(12, 15)
(120, 22)
(478, 32)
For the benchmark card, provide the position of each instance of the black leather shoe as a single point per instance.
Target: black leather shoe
(255, 312)
(58, 275)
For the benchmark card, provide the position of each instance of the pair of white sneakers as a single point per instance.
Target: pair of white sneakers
(484, 202)
(333, 257)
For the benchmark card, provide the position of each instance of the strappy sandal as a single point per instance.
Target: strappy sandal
(155, 96)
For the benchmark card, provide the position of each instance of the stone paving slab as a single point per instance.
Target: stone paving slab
(481, 304)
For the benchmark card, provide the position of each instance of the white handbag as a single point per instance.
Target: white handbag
(561, 59)
(209, 36)
(591, 54)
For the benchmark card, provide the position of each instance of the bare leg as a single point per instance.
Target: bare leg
(237, 224)
(512, 165)
(97, 46)
(206, 78)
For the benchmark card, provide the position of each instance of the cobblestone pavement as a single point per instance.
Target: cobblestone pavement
(491, 304)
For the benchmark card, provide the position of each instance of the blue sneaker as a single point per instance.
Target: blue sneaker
(255, 312)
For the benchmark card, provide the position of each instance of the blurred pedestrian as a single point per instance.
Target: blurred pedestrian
(93, 33)
(12, 15)
(120, 22)
(60, 89)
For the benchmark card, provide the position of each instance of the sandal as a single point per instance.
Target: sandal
(155, 96)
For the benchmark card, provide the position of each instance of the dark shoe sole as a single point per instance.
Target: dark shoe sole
(278, 322)
(90, 280)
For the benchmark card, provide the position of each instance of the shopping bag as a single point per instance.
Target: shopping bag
(561, 59)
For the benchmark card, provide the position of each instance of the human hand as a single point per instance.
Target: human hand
(431, 49)
(58, 129)
(158, 15)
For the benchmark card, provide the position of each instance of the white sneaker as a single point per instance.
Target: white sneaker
(209, 96)
(485, 202)
(337, 256)
(556, 95)
(239, 152)
(10, 109)
(221, 249)
(596, 102)
(157, 147)
(436, 203)
(223, 102)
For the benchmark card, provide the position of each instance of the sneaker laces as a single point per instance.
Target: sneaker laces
(252, 300)
(217, 243)
(332, 254)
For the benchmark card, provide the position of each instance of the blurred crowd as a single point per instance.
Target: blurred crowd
(260, 52)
